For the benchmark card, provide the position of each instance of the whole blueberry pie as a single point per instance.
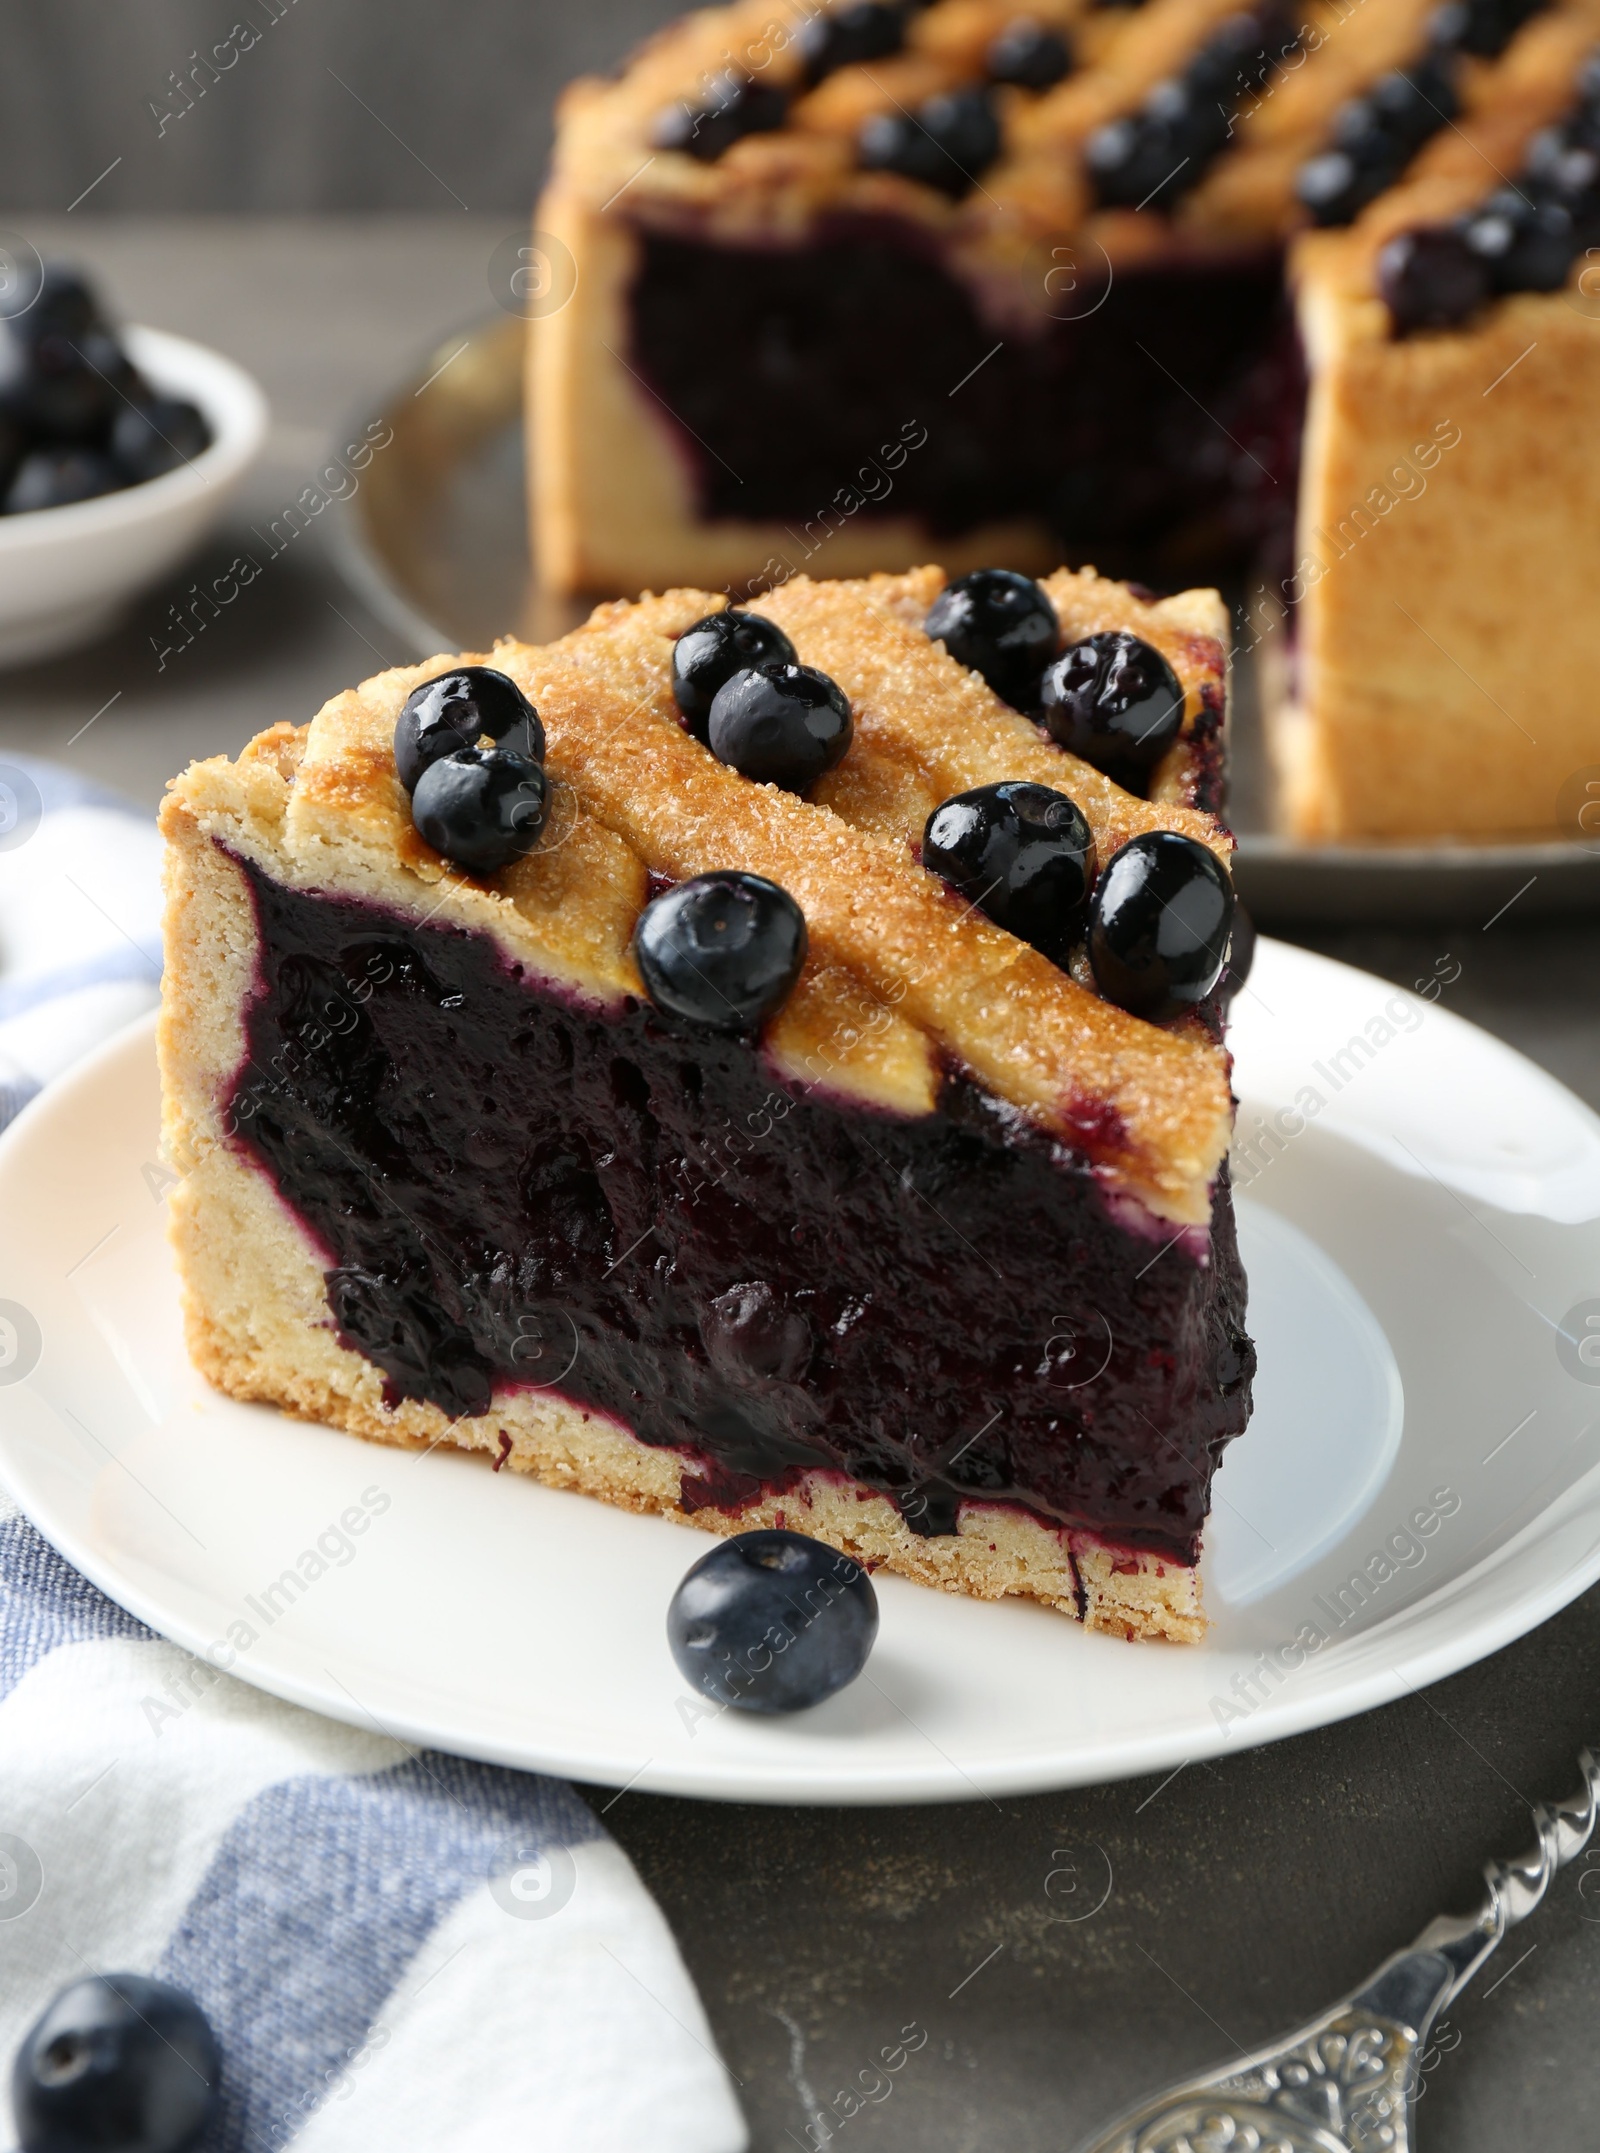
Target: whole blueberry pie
(1297, 296)
(737, 1063)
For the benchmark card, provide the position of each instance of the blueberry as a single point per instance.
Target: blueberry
(1431, 279)
(732, 107)
(149, 439)
(772, 1622)
(946, 143)
(454, 710)
(1159, 924)
(117, 2064)
(1526, 246)
(846, 36)
(1481, 27)
(723, 950)
(1335, 185)
(481, 807)
(1023, 854)
(58, 300)
(708, 655)
(65, 387)
(1114, 700)
(782, 725)
(56, 477)
(1029, 56)
(1241, 952)
(1001, 625)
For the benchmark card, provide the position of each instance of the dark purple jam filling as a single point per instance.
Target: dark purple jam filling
(1156, 434)
(513, 1190)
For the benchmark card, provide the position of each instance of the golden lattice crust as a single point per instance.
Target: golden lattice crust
(1150, 1108)
(779, 183)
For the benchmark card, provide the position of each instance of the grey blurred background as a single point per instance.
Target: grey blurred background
(406, 105)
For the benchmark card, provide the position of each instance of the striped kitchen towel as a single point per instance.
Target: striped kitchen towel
(397, 1951)
(80, 922)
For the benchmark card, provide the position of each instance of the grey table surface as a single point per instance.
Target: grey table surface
(1244, 1893)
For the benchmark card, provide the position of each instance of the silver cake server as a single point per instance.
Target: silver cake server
(1347, 2081)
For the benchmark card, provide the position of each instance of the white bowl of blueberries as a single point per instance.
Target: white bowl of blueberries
(117, 450)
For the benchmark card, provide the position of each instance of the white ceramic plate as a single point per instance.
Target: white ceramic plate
(1421, 1482)
(67, 573)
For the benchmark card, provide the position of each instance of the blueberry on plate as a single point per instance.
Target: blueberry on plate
(1029, 56)
(1023, 854)
(481, 807)
(706, 656)
(946, 143)
(155, 436)
(56, 477)
(723, 950)
(117, 2064)
(454, 710)
(1115, 701)
(1001, 625)
(772, 1622)
(1160, 924)
(780, 725)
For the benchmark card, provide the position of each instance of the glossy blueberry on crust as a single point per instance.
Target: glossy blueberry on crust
(481, 807)
(454, 710)
(1001, 625)
(1431, 279)
(723, 950)
(117, 2064)
(1526, 246)
(846, 36)
(772, 1622)
(1029, 56)
(780, 725)
(733, 106)
(706, 656)
(1241, 953)
(1115, 701)
(1375, 137)
(1159, 925)
(948, 142)
(1023, 854)
(1482, 27)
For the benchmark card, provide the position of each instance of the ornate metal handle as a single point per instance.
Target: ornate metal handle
(1347, 2082)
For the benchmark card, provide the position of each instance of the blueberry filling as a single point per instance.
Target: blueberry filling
(1023, 854)
(780, 725)
(118, 2063)
(949, 142)
(1001, 625)
(1375, 137)
(723, 950)
(1160, 924)
(1152, 157)
(1086, 426)
(484, 1161)
(734, 106)
(772, 1622)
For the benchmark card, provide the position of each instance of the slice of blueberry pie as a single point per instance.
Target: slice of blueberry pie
(759, 1067)
(1199, 290)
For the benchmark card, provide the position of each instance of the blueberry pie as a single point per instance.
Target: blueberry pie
(1294, 294)
(830, 1140)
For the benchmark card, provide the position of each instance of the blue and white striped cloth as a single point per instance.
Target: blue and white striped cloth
(397, 1951)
